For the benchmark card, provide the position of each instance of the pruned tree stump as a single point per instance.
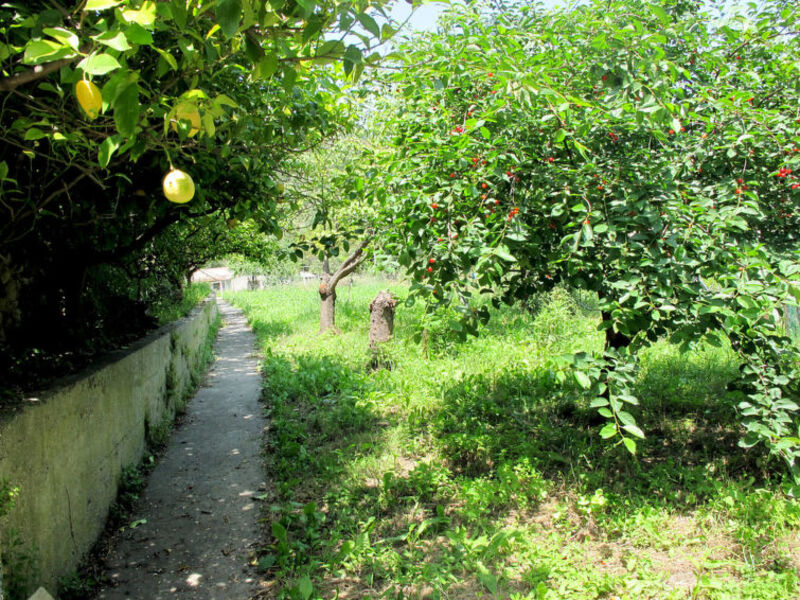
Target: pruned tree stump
(381, 327)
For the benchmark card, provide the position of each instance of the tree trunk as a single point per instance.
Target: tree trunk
(327, 311)
(327, 288)
(381, 327)
(614, 339)
(381, 318)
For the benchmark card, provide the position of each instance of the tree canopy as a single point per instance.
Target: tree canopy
(224, 90)
(646, 152)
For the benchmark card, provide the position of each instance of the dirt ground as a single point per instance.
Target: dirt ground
(198, 517)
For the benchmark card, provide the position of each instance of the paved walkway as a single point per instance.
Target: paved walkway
(202, 520)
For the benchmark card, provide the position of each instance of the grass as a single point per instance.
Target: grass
(474, 469)
(193, 294)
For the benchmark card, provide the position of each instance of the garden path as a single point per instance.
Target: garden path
(200, 502)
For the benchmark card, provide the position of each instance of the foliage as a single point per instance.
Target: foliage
(646, 152)
(222, 89)
(192, 296)
(476, 471)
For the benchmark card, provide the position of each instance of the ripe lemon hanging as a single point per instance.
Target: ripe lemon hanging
(178, 186)
(89, 97)
(186, 111)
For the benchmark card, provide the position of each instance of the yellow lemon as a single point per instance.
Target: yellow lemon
(89, 97)
(186, 111)
(178, 186)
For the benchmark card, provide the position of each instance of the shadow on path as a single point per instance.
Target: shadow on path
(199, 518)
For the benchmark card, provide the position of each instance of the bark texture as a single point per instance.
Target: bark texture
(381, 318)
(381, 327)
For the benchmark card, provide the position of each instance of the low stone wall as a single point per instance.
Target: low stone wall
(66, 448)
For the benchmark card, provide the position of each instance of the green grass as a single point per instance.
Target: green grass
(193, 294)
(475, 469)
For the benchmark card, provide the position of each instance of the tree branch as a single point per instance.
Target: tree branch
(349, 265)
(9, 84)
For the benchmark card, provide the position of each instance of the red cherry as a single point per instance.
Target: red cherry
(430, 269)
(551, 159)
(490, 74)
(431, 260)
(740, 180)
(434, 206)
(683, 129)
(484, 185)
(452, 175)
(672, 132)
(604, 78)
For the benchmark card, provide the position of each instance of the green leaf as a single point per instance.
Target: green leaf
(488, 579)
(305, 587)
(170, 60)
(3, 170)
(609, 431)
(34, 134)
(583, 380)
(137, 34)
(502, 252)
(126, 110)
(101, 4)
(634, 430)
(99, 64)
(597, 402)
(208, 124)
(630, 445)
(145, 16)
(331, 49)
(115, 40)
(369, 24)
(661, 14)
(229, 14)
(107, 149)
(223, 100)
(63, 36)
(39, 51)
(266, 67)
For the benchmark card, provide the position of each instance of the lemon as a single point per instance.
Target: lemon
(186, 111)
(178, 186)
(89, 97)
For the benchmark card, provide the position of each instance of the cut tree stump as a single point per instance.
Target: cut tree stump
(381, 327)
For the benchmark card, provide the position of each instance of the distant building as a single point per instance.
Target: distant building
(306, 276)
(221, 279)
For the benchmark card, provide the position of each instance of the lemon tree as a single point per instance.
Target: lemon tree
(100, 98)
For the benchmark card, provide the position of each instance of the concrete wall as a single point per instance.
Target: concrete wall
(65, 448)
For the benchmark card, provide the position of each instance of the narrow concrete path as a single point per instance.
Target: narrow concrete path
(202, 519)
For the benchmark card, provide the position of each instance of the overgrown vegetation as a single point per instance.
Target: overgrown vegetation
(166, 312)
(475, 468)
